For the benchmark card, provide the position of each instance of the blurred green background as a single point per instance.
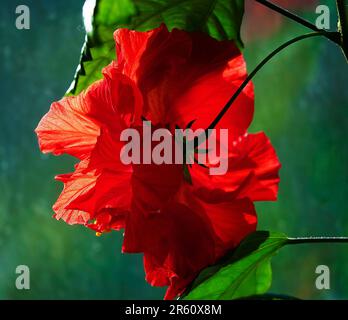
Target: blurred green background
(301, 103)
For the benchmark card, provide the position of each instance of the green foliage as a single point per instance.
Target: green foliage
(343, 25)
(219, 18)
(246, 272)
(270, 296)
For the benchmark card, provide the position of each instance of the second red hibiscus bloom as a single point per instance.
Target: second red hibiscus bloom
(170, 79)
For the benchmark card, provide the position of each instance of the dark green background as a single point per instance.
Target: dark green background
(301, 103)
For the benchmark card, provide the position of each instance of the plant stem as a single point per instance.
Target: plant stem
(318, 240)
(254, 72)
(299, 20)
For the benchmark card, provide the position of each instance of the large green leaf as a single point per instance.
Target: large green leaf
(342, 8)
(246, 272)
(269, 296)
(219, 18)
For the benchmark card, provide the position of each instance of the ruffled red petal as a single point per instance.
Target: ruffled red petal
(73, 124)
(186, 76)
(67, 129)
(253, 172)
(75, 185)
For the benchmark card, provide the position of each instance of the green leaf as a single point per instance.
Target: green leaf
(269, 296)
(245, 272)
(342, 9)
(219, 18)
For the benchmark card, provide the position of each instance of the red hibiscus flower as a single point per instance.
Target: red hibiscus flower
(170, 78)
